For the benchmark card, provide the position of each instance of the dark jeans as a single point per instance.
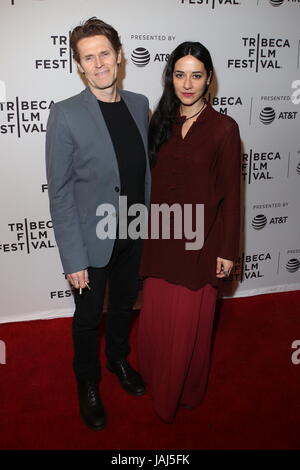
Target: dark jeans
(122, 276)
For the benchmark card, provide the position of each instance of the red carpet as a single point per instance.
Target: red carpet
(252, 402)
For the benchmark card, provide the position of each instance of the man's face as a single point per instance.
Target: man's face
(98, 61)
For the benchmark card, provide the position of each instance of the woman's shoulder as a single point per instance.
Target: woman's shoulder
(223, 121)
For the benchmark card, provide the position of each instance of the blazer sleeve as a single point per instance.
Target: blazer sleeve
(229, 181)
(59, 168)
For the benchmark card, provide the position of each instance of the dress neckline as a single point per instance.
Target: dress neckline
(177, 129)
(181, 119)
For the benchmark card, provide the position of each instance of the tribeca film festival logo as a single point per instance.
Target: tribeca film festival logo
(29, 236)
(211, 3)
(62, 55)
(176, 221)
(261, 53)
(258, 166)
(22, 117)
(222, 103)
(254, 264)
(249, 266)
(263, 166)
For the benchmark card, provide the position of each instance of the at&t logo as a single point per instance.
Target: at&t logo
(292, 265)
(140, 57)
(260, 221)
(268, 115)
(276, 3)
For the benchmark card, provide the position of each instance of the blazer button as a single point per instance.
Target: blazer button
(117, 189)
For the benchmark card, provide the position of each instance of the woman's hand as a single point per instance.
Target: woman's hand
(224, 267)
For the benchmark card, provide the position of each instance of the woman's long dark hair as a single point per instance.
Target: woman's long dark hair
(165, 113)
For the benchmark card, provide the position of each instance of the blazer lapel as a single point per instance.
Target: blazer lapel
(133, 111)
(91, 104)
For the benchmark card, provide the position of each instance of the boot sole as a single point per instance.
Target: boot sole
(94, 428)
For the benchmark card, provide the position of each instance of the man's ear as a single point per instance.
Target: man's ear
(79, 67)
(119, 57)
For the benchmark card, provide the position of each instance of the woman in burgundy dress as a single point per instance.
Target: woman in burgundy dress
(195, 152)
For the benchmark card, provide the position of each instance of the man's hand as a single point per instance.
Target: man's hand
(78, 280)
(224, 266)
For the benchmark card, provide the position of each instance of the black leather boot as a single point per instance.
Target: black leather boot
(129, 378)
(91, 408)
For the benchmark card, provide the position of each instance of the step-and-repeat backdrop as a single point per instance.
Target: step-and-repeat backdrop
(255, 45)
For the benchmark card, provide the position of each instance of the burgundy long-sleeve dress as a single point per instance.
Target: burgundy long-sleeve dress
(180, 287)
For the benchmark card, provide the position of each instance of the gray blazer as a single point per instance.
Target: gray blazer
(82, 173)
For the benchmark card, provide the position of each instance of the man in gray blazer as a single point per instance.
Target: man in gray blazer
(96, 151)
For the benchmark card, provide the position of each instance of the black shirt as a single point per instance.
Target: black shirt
(129, 149)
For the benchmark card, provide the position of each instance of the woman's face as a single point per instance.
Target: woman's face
(189, 79)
